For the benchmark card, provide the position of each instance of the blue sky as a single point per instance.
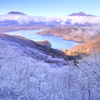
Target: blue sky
(50, 7)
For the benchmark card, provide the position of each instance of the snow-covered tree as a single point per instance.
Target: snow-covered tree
(24, 77)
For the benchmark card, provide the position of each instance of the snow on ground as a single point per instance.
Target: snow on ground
(23, 77)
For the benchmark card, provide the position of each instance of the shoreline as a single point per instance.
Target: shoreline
(64, 43)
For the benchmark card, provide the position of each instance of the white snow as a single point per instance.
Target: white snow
(24, 77)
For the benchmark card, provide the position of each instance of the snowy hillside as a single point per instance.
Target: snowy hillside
(32, 49)
(74, 19)
(26, 75)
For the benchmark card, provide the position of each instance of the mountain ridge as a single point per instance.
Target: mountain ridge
(73, 20)
(38, 50)
(80, 14)
(16, 12)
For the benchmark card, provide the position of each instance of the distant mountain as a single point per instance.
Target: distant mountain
(15, 12)
(27, 67)
(80, 14)
(75, 19)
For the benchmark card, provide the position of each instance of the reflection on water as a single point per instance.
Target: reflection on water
(56, 42)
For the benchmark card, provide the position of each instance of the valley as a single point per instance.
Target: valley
(83, 35)
(31, 68)
(31, 34)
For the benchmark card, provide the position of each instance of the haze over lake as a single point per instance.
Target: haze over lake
(56, 42)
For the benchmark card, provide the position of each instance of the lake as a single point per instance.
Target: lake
(56, 42)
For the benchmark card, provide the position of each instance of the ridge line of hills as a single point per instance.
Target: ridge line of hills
(32, 70)
(74, 19)
(68, 28)
(73, 14)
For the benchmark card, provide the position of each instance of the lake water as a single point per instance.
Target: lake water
(56, 42)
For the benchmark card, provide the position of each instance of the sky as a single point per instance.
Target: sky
(50, 8)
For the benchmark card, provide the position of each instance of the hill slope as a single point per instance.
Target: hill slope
(85, 48)
(37, 50)
(28, 73)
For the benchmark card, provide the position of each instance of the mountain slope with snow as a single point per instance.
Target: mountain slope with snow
(34, 49)
(25, 74)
